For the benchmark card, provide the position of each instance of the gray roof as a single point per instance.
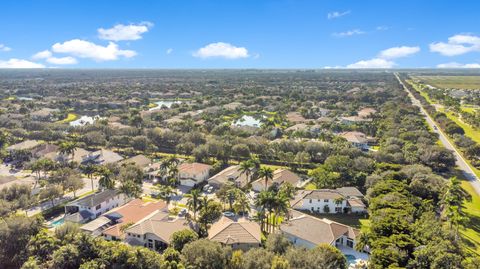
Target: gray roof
(349, 192)
(96, 198)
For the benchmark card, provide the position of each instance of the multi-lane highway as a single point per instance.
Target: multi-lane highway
(461, 162)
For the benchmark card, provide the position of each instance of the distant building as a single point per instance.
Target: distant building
(353, 120)
(191, 174)
(44, 114)
(92, 206)
(238, 233)
(366, 112)
(141, 161)
(341, 200)
(103, 156)
(280, 176)
(295, 117)
(357, 139)
(230, 175)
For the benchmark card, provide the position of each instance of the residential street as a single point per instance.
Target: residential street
(461, 163)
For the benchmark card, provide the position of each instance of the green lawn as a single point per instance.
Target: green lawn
(70, 117)
(471, 231)
(471, 132)
(457, 82)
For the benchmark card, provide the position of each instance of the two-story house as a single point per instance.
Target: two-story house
(341, 200)
(92, 206)
(191, 174)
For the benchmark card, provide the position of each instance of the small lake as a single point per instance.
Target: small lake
(247, 120)
(166, 103)
(83, 120)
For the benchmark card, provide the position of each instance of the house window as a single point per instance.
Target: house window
(326, 200)
(349, 243)
(338, 209)
(98, 206)
(310, 201)
(338, 202)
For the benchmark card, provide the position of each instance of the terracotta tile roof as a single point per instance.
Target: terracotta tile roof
(193, 168)
(132, 212)
(281, 176)
(355, 137)
(25, 145)
(230, 231)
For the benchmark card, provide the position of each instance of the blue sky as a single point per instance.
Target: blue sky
(239, 34)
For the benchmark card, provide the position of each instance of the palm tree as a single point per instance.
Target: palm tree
(166, 192)
(68, 148)
(106, 180)
(267, 174)
(280, 207)
(265, 201)
(246, 167)
(242, 204)
(193, 202)
(89, 169)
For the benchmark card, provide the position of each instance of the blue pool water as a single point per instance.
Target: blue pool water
(350, 258)
(58, 222)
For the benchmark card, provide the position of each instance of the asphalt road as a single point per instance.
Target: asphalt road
(460, 161)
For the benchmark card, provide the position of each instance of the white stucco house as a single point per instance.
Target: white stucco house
(341, 200)
(191, 174)
(92, 206)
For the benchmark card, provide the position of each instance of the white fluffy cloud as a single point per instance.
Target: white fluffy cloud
(4, 48)
(457, 45)
(221, 50)
(398, 52)
(337, 14)
(85, 49)
(458, 65)
(19, 63)
(349, 33)
(372, 63)
(44, 54)
(124, 32)
(49, 58)
(62, 60)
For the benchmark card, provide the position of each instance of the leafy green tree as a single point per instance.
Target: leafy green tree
(206, 254)
(183, 237)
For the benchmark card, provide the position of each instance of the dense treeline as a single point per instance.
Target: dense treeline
(414, 211)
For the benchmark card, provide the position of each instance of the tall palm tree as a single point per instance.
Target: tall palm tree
(89, 169)
(242, 204)
(106, 180)
(68, 148)
(280, 207)
(193, 202)
(267, 174)
(166, 192)
(246, 167)
(265, 201)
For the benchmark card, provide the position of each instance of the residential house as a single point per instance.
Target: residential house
(308, 231)
(102, 156)
(77, 156)
(129, 214)
(45, 150)
(232, 175)
(341, 200)
(238, 233)
(44, 114)
(366, 112)
(353, 120)
(295, 117)
(27, 145)
(280, 176)
(92, 206)
(155, 231)
(141, 161)
(357, 139)
(191, 174)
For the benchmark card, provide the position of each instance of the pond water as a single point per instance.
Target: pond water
(167, 103)
(247, 120)
(350, 258)
(84, 120)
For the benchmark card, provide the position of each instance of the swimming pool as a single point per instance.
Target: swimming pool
(350, 258)
(58, 222)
